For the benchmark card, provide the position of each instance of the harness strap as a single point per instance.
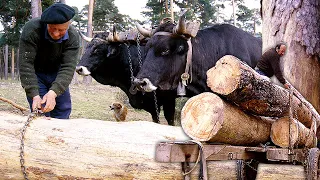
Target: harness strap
(186, 75)
(163, 33)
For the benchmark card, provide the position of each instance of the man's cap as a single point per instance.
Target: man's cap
(57, 13)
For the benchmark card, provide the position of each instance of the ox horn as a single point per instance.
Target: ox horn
(143, 31)
(181, 26)
(86, 38)
(113, 37)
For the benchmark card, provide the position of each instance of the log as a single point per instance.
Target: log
(206, 117)
(254, 93)
(282, 171)
(298, 134)
(92, 149)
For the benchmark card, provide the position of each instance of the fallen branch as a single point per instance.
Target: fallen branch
(14, 104)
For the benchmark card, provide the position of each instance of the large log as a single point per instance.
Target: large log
(92, 149)
(297, 135)
(206, 117)
(254, 93)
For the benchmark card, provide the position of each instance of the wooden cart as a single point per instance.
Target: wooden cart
(192, 151)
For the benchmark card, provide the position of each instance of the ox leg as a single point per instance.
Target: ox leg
(155, 118)
(169, 110)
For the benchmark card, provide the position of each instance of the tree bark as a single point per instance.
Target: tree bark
(206, 117)
(36, 9)
(93, 149)
(300, 135)
(12, 63)
(297, 24)
(6, 61)
(254, 93)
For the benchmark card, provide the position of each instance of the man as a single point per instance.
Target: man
(49, 48)
(269, 63)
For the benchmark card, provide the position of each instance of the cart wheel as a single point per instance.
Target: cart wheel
(312, 163)
(240, 170)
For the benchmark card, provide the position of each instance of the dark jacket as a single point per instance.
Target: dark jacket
(269, 64)
(38, 54)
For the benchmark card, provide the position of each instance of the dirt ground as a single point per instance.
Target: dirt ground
(88, 101)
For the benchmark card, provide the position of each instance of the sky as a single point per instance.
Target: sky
(133, 8)
(128, 7)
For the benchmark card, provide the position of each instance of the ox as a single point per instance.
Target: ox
(107, 61)
(167, 49)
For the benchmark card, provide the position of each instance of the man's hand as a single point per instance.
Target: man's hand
(287, 85)
(50, 100)
(36, 103)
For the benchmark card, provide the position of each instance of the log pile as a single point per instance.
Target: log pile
(93, 149)
(207, 117)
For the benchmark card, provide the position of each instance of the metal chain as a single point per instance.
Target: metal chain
(130, 62)
(156, 105)
(248, 164)
(140, 64)
(23, 131)
(290, 121)
(139, 50)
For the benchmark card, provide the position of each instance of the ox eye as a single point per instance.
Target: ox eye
(165, 53)
(180, 49)
(95, 51)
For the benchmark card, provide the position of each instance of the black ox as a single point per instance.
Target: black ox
(107, 61)
(167, 49)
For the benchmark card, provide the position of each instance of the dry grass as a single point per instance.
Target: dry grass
(88, 101)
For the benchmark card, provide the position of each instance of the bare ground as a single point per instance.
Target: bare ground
(88, 101)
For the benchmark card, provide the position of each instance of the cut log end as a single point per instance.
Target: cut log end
(200, 119)
(231, 73)
(300, 135)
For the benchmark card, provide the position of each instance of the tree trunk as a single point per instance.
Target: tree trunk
(88, 79)
(254, 93)
(17, 65)
(206, 117)
(298, 134)
(6, 60)
(12, 63)
(297, 24)
(36, 8)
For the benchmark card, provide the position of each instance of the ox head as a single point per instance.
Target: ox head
(97, 50)
(166, 53)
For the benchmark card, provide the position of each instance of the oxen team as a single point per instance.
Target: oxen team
(171, 57)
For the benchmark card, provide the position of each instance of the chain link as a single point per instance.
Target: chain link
(23, 131)
(140, 64)
(139, 50)
(130, 62)
(156, 105)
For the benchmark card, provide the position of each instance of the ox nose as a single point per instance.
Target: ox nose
(82, 70)
(144, 84)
